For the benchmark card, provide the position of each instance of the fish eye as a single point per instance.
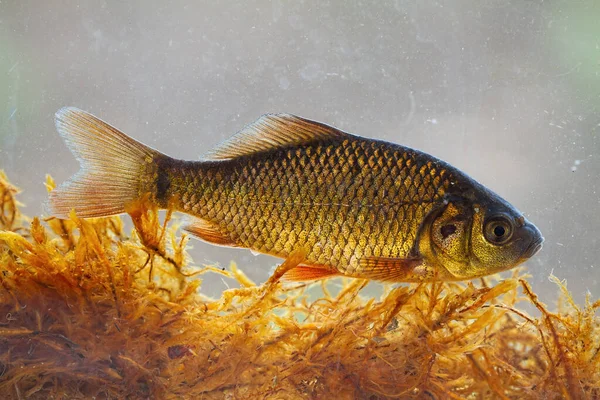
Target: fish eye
(498, 230)
(447, 230)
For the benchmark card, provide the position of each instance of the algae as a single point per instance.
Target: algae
(90, 311)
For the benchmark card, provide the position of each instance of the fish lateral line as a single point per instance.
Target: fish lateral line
(345, 205)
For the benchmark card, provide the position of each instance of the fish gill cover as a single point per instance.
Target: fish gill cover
(88, 310)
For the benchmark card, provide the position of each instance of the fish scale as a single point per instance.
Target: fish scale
(351, 221)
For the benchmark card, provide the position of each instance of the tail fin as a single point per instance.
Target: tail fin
(113, 167)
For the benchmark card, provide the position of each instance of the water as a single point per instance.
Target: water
(508, 92)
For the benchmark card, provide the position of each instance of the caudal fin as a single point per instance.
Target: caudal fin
(113, 167)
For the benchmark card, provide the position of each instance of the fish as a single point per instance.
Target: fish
(335, 203)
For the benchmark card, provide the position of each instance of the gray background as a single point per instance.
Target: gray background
(507, 91)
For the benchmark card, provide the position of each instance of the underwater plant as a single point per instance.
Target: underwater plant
(90, 310)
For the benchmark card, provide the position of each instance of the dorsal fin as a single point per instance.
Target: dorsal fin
(272, 131)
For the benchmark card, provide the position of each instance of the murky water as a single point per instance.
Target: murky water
(508, 92)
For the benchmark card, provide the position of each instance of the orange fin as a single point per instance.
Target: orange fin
(272, 131)
(308, 273)
(112, 167)
(392, 269)
(209, 232)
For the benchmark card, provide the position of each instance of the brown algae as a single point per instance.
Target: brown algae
(87, 310)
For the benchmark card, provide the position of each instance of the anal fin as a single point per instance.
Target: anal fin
(308, 273)
(393, 269)
(209, 232)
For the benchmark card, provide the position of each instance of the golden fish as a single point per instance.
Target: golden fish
(286, 186)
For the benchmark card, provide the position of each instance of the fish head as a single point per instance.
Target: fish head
(501, 237)
(470, 237)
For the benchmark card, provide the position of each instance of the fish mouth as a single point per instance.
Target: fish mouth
(533, 248)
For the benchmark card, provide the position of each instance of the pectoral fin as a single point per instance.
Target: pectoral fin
(393, 269)
(209, 232)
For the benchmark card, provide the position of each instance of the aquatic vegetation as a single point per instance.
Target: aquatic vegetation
(87, 309)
